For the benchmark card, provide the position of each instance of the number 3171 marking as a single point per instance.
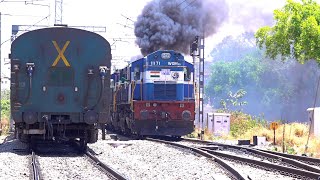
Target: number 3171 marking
(155, 63)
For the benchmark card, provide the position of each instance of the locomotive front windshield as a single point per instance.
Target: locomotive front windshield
(60, 76)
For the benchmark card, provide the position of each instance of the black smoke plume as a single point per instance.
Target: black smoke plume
(173, 24)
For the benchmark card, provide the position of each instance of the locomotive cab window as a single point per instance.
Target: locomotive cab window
(60, 76)
(136, 73)
(187, 74)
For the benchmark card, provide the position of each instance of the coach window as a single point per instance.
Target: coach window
(187, 74)
(136, 73)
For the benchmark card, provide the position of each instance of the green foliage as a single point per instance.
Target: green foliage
(296, 32)
(275, 148)
(5, 108)
(234, 100)
(273, 88)
(194, 134)
(228, 77)
(241, 123)
(5, 104)
(5, 94)
(291, 150)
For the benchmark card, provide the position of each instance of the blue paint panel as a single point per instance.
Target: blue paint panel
(138, 63)
(188, 91)
(87, 50)
(137, 92)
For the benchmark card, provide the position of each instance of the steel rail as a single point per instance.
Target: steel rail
(292, 162)
(289, 170)
(108, 169)
(234, 173)
(305, 159)
(35, 168)
(308, 160)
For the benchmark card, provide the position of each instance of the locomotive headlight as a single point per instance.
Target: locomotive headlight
(147, 104)
(154, 104)
(186, 115)
(181, 105)
(165, 55)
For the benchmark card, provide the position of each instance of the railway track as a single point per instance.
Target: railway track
(111, 172)
(68, 162)
(34, 168)
(289, 165)
(234, 174)
(305, 159)
(290, 161)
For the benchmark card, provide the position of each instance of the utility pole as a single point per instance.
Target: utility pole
(201, 83)
(197, 51)
(194, 53)
(58, 12)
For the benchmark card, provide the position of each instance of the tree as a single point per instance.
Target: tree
(296, 33)
(234, 48)
(234, 100)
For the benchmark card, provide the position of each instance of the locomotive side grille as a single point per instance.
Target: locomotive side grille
(165, 91)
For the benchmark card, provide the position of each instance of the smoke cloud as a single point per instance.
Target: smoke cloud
(253, 14)
(174, 24)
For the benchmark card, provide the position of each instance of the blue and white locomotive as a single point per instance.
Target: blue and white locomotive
(154, 95)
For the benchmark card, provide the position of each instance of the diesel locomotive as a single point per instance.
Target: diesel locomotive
(154, 95)
(60, 84)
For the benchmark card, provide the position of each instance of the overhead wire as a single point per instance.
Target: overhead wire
(27, 28)
(23, 15)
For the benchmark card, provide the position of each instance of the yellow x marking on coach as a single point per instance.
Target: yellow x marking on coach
(61, 55)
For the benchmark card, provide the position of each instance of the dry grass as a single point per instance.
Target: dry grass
(4, 126)
(296, 136)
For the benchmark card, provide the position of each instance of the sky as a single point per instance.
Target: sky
(118, 17)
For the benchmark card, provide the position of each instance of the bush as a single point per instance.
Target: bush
(241, 123)
(5, 108)
(5, 112)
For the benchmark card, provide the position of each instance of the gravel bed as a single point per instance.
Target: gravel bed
(13, 164)
(141, 159)
(76, 167)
